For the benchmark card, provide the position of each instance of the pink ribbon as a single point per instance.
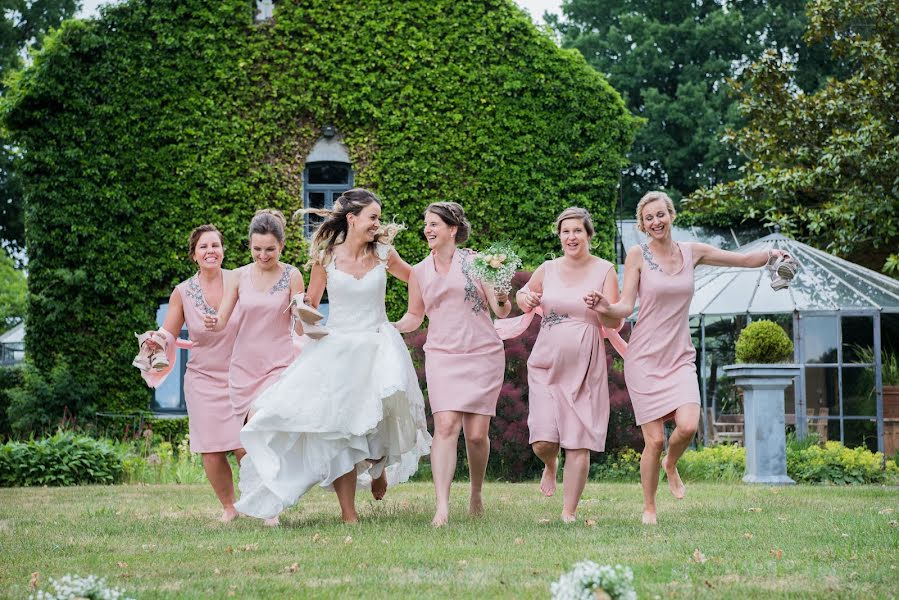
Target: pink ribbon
(155, 379)
(511, 328)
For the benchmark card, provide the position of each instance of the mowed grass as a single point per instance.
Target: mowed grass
(163, 541)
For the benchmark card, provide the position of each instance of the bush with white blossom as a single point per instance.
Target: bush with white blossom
(590, 581)
(71, 587)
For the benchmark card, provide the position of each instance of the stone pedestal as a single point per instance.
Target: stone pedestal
(764, 430)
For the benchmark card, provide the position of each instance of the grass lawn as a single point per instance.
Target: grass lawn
(164, 541)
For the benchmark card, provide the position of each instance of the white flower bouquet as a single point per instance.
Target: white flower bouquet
(590, 581)
(496, 266)
(71, 587)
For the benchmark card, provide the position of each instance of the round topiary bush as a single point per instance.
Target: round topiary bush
(764, 342)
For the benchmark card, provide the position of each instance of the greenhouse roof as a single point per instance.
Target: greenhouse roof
(824, 283)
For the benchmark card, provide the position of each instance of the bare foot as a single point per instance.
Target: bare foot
(548, 481)
(349, 518)
(272, 522)
(229, 514)
(379, 486)
(568, 518)
(476, 506)
(677, 487)
(441, 518)
(649, 517)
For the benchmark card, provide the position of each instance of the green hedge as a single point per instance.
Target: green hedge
(66, 458)
(163, 115)
(10, 377)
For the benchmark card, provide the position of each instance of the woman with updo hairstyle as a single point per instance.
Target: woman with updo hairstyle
(464, 357)
(568, 387)
(660, 362)
(214, 428)
(348, 412)
(264, 346)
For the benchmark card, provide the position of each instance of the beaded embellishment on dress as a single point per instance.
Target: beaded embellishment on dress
(284, 282)
(552, 318)
(195, 293)
(471, 290)
(647, 256)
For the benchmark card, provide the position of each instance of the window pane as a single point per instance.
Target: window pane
(858, 339)
(819, 338)
(858, 391)
(316, 200)
(720, 338)
(860, 433)
(819, 427)
(821, 390)
(328, 173)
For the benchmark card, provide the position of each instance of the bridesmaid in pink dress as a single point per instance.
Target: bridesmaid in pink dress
(214, 429)
(568, 387)
(264, 345)
(464, 357)
(659, 365)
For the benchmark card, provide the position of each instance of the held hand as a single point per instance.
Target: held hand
(210, 321)
(531, 300)
(596, 301)
(501, 298)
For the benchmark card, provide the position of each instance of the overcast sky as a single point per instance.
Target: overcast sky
(535, 7)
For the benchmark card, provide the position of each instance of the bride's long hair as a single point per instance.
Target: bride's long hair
(333, 230)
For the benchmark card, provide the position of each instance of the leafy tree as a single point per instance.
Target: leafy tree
(824, 166)
(670, 62)
(23, 24)
(12, 294)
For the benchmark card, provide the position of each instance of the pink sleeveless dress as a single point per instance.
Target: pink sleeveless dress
(264, 346)
(464, 357)
(660, 363)
(212, 424)
(568, 386)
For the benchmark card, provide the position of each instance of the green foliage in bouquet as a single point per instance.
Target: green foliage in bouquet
(159, 116)
(764, 342)
(496, 266)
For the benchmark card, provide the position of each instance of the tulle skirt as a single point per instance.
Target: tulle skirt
(350, 401)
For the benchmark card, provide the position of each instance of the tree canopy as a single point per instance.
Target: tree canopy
(671, 61)
(824, 166)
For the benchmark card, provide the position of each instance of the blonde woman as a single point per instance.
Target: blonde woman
(660, 362)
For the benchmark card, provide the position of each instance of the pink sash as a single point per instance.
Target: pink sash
(510, 328)
(154, 379)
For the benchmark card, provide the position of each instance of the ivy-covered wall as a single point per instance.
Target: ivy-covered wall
(163, 115)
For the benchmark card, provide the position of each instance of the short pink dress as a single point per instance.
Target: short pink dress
(264, 345)
(464, 357)
(212, 424)
(660, 362)
(568, 386)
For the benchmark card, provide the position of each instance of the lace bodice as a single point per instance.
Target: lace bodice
(358, 304)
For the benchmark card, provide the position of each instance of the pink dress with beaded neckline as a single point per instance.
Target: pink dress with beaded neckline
(464, 357)
(212, 424)
(660, 362)
(568, 385)
(264, 345)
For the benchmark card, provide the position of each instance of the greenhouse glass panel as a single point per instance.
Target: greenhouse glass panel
(822, 390)
(858, 339)
(859, 393)
(820, 338)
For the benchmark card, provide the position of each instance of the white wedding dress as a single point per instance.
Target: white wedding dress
(349, 399)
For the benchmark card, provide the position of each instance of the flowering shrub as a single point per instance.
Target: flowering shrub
(624, 466)
(590, 581)
(724, 462)
(835, 463)
(73, 587)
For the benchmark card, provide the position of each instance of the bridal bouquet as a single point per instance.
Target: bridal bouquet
(496, 266)
(590, 581)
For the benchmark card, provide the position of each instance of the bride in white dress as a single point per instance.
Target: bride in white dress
(348, 413)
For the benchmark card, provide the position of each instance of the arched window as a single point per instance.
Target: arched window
(328, 174)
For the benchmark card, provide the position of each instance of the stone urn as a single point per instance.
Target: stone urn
(764, 429)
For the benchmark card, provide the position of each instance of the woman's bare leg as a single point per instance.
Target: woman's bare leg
(447, 425)
(653, 442)
(686, 420)
(218, 472)
(345, 486)
(574, 478)
(477, 446)
(548, 452)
